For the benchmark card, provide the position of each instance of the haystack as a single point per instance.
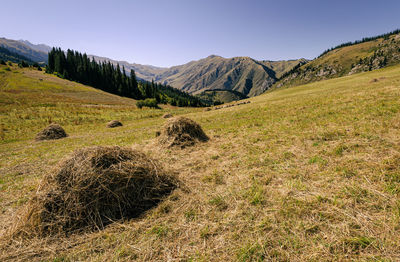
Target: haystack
(114, 123)
(167, 115)
(94, 187)
(182, 132)
(53, 131)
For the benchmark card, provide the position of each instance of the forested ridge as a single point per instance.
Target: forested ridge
(76, 66)
(365, 39)
(7, 55)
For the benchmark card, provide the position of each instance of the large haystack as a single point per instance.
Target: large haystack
(94, 187)
(182, 132)
(53, 131)
(114, 123)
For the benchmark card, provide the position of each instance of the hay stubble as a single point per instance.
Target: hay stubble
(304, 174)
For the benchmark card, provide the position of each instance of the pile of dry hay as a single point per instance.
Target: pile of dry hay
(167, 115)
(53, 131)
(94, 187)
(114, 123)
(183, 132)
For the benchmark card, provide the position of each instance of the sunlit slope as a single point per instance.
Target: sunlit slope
(309, 173)
(36, 53)
(240, 74)
(348, 60)
(30, 99)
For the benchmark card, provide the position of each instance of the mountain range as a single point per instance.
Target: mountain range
(36, 53)
(242, 74)
(248, 76)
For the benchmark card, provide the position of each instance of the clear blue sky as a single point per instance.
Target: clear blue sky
(172, 32)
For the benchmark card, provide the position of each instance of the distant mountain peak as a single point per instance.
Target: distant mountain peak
(241, 74)
(37, 47)
(25, 41)
(213, 56)
(36, 53)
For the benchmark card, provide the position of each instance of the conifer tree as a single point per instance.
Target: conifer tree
(78, 67)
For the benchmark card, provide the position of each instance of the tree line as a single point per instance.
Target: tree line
(365, 39)
(78, 67)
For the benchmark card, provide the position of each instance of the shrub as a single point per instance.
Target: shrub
(23, 64)
(218, 102)
(37, 66)
(148, 102)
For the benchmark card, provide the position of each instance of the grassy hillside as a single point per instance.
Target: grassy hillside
(30, 99)
(309, 173)
(347, 60)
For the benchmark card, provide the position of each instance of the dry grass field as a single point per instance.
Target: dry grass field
(309, 173)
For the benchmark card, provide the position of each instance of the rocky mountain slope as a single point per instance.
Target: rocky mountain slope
(145, 72)
(242, 74)
(218, 96)
(347, 59)
(39, 47)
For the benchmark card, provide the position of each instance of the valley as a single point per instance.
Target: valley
(216, 159)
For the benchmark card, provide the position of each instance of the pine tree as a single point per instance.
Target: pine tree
(78, 67)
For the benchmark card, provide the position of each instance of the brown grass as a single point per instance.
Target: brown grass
(92, 188)
(308, 173)
(53, 131)
(182, 132)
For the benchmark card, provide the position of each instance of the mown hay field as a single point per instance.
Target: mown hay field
(309, 173)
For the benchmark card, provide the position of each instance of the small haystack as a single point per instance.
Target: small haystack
(94, 187)
(114, 123)
(183, 132)
(53, 131)
(167, 115)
